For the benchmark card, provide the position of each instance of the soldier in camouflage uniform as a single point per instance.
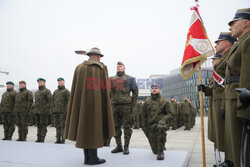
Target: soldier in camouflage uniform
(122, 104)
(186, 109)
(175, 113)
(23, 102)
(59, 108)
(193, 114)
(137, 115)
(7, 106)
(180, 115)
(157, 115)
(42, 103)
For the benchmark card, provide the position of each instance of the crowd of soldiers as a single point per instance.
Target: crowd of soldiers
(20, 109)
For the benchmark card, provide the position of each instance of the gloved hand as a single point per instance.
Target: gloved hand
(223, 114)
(201, 87)
(244, 98)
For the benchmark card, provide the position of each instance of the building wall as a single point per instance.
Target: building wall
(175, 85)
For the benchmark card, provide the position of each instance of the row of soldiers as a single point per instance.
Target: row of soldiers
(229, 115)
(183, 114)
(18, 106)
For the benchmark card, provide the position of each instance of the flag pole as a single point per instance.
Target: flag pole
(202, 120)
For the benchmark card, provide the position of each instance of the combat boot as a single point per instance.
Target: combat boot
(117, 149)
(93, 159)
(126, 150)
(58, 141)
(160, 155)
(86, 157)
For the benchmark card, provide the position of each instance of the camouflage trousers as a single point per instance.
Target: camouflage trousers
(8, 124)
(157, 138)
(22, 121)
(122, 118)
(59, 123)
(175, 122)
(42, 124)
(187, 121)
(136, 120)
(1, 118)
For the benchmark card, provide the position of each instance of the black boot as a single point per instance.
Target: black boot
(93, 159)
(160, 155)
(58, 140)
(126, 150)
(117, 149)
(86, 158)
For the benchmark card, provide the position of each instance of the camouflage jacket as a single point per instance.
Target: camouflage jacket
(174, 107)
(23, 100)
(186, 107)
(121, 87)
(154, 110)
(8, 101)
(43, 99)
(60, 100)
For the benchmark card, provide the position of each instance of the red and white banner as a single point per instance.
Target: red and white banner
(198, 47)
(219, 79)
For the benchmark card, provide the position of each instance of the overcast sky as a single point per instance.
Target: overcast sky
(38, 37)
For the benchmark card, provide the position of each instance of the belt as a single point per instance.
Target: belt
(232, 79)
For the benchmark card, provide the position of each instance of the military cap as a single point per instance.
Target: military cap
(172, 97)
(217, 56)
(155, 85)
(120, 63)
(10, 83)
(226, 36)
(41, 79)
(22, 81)
(241, 14)
(60, 79)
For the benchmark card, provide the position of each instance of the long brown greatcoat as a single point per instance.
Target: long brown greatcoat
(218, 121)
(89, 117)
(238, 65)
(209, 92)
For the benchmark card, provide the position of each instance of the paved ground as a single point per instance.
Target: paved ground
(176, 140)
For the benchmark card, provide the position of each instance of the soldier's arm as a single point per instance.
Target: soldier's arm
(134, 89)
(244, 76)
(208, 91)
(30, 100)
(49, 98)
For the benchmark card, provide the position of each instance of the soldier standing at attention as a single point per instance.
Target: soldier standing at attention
(122, 104)
(7, 106)
(23, 103)
(237, 75)
(42, 103)
(89, 117)
(175, 112)
(180, 116)
(223, 45)
(157, 115)
(59, 108)
(186, 109)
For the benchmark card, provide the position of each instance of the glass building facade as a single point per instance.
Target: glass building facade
(175, 85)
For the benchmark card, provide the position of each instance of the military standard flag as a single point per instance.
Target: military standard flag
(198, 47)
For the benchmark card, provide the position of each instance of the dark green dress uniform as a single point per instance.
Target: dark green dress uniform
(157, 115)
(186, 109)
(43, 99)
(237, 75)
(122, 103)
(23, 102)
(7, 106)
(175, 114)
(58, 110)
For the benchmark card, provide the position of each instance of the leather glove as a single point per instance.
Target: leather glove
(201, 87)
(223, 114)
(244, 98)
